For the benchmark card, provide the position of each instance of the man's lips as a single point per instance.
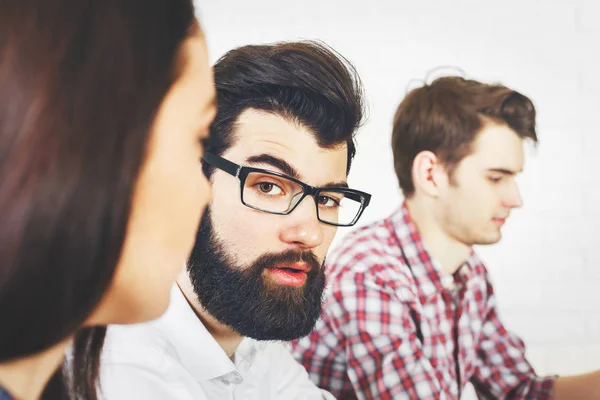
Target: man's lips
(297, 266)
(500, 221)
(290, 274)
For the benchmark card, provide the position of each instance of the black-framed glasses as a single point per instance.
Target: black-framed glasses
(277, 193)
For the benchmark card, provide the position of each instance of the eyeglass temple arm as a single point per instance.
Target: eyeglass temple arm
(359, 196)
(221, 163)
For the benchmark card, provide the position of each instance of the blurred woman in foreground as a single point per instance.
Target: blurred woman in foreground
(104, 105)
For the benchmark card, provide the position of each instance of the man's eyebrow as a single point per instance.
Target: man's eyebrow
(276, 162)
(342, 184)
(503, 171)
(286, 168)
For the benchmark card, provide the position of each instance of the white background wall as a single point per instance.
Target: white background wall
(547, 268)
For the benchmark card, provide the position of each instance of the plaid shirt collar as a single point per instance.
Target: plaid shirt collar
(427, 272)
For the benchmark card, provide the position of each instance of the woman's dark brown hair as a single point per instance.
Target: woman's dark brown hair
(445, 118)
(80, 84)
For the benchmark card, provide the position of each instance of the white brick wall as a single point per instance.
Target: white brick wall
(547, 268)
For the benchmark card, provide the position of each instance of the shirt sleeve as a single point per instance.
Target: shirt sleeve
(501, 370)
(292, 379)
(385, 359)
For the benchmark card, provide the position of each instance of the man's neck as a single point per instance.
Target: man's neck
(228, 339)
(25, 378)
(449, 252)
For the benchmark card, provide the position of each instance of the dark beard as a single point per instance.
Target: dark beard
(240, 296)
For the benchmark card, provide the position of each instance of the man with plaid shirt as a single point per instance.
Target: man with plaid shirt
(410, 311)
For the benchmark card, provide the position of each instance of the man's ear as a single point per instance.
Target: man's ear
(428, 174)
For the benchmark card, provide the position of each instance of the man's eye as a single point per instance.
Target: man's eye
(495, 179)
(269, 188)
(328, 201)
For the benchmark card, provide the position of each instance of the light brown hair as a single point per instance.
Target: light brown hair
(445, 117)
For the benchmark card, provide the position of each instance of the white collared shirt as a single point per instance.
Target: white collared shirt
(175, 357)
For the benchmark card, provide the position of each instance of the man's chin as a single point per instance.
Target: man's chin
(289, 319)
(490, 238)
(285, 332)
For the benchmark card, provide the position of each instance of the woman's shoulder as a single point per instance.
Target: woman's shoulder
(4, 395)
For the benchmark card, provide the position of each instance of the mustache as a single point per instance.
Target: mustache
(270, 260)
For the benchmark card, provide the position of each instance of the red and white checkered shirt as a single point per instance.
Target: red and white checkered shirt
(394, 326)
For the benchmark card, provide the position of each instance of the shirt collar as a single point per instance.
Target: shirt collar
(196, 348)
(426, 271)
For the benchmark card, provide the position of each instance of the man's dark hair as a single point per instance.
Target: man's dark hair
(445, 118)
(306, 82)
